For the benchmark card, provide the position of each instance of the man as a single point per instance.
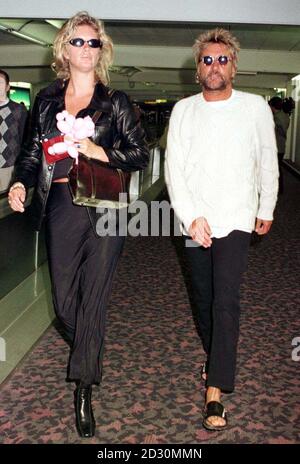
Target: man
(282, 122)
(222, 178)
(12, 122)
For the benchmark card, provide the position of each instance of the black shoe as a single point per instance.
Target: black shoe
(85, 421)
(215, 409)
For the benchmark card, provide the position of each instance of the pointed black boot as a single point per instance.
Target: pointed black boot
(85, 421)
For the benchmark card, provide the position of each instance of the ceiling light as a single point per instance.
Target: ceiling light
(9, 30)
(23, 85)
(247, 73)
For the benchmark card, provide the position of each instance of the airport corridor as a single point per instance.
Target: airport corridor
(151, 390)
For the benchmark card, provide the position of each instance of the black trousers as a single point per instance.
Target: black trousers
(216, 274)
(81, 268)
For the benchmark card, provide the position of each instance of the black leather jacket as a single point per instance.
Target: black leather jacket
(117, 120)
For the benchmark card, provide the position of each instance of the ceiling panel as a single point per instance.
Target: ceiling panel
(8, 39)
(183, 35)
(168, 34)
(177, 37)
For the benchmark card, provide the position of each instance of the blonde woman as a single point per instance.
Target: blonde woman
(81, 263)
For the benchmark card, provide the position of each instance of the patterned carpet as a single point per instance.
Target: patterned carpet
(151, 391)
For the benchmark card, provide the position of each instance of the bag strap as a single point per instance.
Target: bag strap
(97, 113)
(96, 116)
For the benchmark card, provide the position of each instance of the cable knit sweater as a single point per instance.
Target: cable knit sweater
(12, 123)
(221, 162)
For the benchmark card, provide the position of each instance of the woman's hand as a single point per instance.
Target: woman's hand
(90, 149)
(16, 197)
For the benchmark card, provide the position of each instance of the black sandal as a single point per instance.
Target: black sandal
(214, 408)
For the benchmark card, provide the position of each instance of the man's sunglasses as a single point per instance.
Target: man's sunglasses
(209, 60)
(93, 43)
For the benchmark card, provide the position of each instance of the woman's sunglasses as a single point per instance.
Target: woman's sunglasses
(222, 59)
(93, 43)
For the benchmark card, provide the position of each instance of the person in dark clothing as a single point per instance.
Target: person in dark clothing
(81, 263)
(13, 118)
(282, 122)
(288, 105)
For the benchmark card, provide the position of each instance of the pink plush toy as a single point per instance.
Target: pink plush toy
(74, 129)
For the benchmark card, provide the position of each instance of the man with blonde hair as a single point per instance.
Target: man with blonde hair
(222, 178)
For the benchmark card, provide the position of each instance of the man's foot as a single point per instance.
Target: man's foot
(215, 417)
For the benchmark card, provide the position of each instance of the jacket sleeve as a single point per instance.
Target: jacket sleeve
(130, 151)
(29, 159)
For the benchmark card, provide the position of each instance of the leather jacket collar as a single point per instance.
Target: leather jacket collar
(56, 92)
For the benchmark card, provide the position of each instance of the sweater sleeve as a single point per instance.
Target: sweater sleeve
(267, 161)
(180, 195)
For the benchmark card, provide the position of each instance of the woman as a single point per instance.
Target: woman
(81, 263)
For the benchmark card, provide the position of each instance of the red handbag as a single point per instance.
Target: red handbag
(94, 183)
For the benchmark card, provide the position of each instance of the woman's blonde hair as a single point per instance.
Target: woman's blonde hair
(217, 35)
(61, 64)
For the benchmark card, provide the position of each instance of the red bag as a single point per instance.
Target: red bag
(94, 183)
(49, 140)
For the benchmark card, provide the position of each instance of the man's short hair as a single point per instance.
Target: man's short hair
(5, 75)
(212, 36)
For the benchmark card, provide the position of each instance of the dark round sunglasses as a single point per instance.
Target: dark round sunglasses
(93, 43)
(209, 60)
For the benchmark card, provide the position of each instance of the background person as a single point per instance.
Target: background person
(282, 122)
(13, 117)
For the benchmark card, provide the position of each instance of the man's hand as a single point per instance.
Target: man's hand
(262, 226)
(200, 232)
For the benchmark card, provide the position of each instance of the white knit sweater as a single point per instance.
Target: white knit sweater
(221, 161)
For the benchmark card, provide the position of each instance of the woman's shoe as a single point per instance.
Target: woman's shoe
(85, 421)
